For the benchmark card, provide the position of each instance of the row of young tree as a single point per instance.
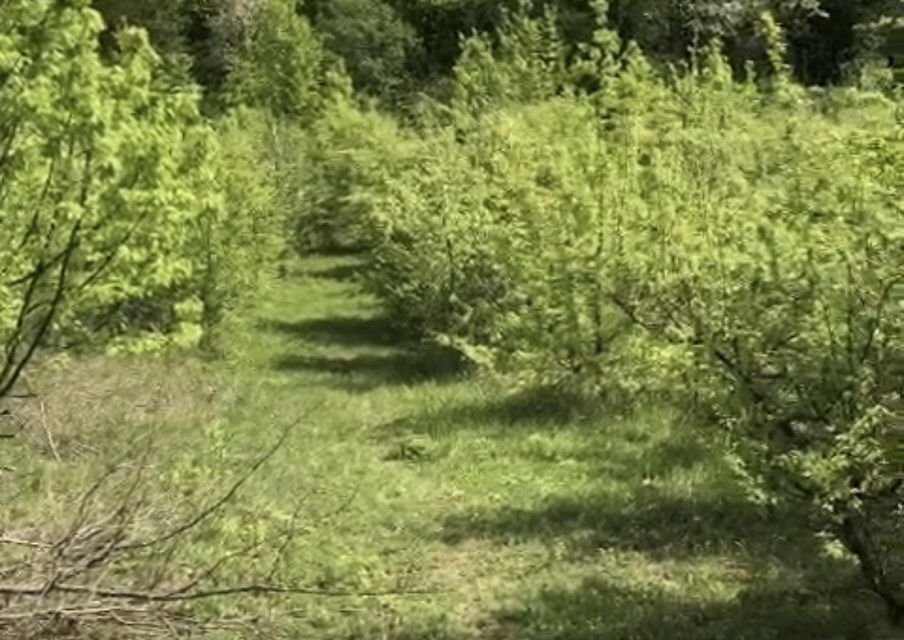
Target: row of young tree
(594, 221)
(568, 209)
(138, 213)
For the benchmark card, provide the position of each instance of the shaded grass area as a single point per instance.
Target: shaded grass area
(601, 608)
(522, 514)
(367, 372)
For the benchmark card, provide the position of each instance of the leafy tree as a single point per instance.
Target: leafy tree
(96, 184)
(240, 231)
(374, 41)
(166, 21)
(214, 31)
(126, 216)
(670, 231)
(350, 154)
(278, 62)
(441, 25)
(790, 313)
(527, 63)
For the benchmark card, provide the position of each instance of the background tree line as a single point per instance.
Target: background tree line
(398, 48)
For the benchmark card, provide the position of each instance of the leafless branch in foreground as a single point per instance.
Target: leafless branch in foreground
(109, 567)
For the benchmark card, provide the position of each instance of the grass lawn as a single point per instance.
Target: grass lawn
(518, 517)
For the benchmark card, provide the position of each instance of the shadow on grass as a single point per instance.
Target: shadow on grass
(345, 272)
(633, 458)
(387, 358)
(759, 578)
(769, 608)
(661, 526)
(596, 609)
(538, 406)
(714, 526)
(342, 331)
(538, 409)
(361, 373)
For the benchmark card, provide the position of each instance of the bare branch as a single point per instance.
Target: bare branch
(218, 504)
(19, 542)
(86, 576)
(180, 596)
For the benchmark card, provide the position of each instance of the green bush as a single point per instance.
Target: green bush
(97, 180)
(241, 234)
(278, 63)
(681, 229)
(350, 154)
(373, 41)
(125, 215)
(773, 253)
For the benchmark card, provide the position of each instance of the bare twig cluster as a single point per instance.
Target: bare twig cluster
(110, 565)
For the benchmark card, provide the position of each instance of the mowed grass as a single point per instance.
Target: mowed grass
(509, 514)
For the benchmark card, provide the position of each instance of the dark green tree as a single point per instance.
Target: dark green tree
(166, 21)
(375, 42)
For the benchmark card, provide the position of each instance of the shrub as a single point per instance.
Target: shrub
(278, 63)
(240, 233)
(96, 182)
(350, 154)
(126, 216)
(373, 41)
(775, 257)
(683, 228)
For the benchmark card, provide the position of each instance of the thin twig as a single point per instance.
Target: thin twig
(246, 589)
(217, 504)
(48, 434)
(20, 542)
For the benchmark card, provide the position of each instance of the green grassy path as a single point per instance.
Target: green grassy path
(526, 520)
(522, 518)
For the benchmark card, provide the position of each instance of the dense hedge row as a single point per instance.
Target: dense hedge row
(734, 245)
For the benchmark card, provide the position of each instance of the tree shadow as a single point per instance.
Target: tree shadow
(599, 608)
(342, 331)
(372, 353)
(536, 406)
(346, 272)
(620, 444)
(633, 509)
(765, 609)
(632, 506)
(362, 373)
(534, 409)
(657, 525)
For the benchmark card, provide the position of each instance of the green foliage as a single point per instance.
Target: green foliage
(166, 21)
(574, 215)
(372, 39)
(791, 308)
(278, 63)
(526, 64)
(668, 231)
(350, 153)
(497, 504)
(240, 234)
(97, 181)
(125, 215)
(441, 25)
(397, 49)
(434, 261)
